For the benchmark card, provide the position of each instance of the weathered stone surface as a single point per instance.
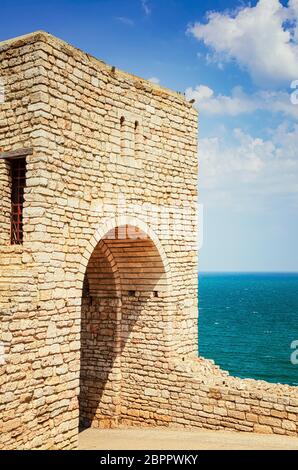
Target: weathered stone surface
(99, 304)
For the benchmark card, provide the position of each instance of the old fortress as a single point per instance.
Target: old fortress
(98, 259)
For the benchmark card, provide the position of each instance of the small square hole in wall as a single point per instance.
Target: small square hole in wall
(131, 293)
(155, 293)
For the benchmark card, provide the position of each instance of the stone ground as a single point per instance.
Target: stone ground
(164, 439)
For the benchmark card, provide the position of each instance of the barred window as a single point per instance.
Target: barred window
(18, 183)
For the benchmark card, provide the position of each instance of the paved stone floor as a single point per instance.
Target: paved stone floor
(163, 439)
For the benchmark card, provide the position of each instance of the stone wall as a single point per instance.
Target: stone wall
(194, 393)
(96, 325)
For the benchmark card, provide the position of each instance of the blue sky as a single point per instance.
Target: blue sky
(238, 62)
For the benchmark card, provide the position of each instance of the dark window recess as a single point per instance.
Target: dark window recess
(131, 293)
(18, 183)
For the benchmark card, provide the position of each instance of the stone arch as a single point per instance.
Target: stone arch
(111, 224)
(126, 315)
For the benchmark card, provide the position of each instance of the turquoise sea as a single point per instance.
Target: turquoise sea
(247, 322)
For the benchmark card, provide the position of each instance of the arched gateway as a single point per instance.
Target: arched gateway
(125, 326)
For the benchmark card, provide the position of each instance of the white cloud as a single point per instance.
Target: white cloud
(207, 101)
(262, 39)
(249, 167)
(146, 7)
(240, 102)
(154, 80)
(125, 20)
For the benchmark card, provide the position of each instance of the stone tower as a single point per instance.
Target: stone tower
(98, 258)
(98, 181)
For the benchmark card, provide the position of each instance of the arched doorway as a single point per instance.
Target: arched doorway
(123, 328)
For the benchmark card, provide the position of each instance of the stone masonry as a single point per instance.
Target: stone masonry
(98, 301)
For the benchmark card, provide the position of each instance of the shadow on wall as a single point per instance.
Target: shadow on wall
(124, 290)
